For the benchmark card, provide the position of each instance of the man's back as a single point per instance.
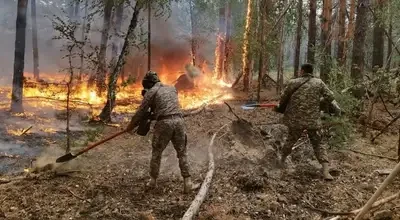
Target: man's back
(165, 101)
(303, 108)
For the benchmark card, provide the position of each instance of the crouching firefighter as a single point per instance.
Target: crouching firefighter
(301, 104)
(163, 102)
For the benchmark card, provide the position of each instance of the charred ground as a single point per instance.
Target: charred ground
(109, 181)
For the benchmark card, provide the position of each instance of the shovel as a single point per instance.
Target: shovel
(69, 156)
(261, 105)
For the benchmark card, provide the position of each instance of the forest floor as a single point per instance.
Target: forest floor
(109, 181)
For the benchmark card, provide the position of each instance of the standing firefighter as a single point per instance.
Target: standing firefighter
(163, 101)
(300, 103)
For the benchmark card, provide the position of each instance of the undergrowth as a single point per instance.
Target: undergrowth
(340, 129)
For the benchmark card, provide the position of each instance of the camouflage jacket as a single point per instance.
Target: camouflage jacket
(162, 99)
(303, 107)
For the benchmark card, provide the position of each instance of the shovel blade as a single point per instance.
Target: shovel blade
(65, 158)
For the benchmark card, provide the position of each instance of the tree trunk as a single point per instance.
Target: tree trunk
(102, 67)
(390, 43)
(281, 52)
(105, 114)
(342, 32)
(357, 67)
(246, 47)
(350, 29)
(378, 36)
(85, 30)
(312, 32)
(71, 9)
(261, 38)
(116, 45)
(34, 41)
(19, 58)
(219, 52)
(193, 30)
(326, 40)
(228, 42)
(76, 10)
(298, 37)
(149, 36)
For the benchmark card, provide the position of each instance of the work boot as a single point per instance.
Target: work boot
(188, 185)
(325, 171)
(152, 183)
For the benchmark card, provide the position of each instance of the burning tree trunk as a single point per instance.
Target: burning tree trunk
(119, 12)
(34, 41)
(378, 39)
(312, 31)
(193, 40)
(219, 50)
(228, 41)
(342, 32)
(85, 31)
(105, 114)
(326, 40)
(102, 68)
(298, 37)
(350, 28)
(19, 58)
(246, 47)
(357, 67)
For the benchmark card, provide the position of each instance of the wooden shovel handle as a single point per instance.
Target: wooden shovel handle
(100, 142)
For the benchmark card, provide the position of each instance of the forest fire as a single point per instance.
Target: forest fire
(53, 88)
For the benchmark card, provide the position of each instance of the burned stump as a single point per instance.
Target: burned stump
(184, 82)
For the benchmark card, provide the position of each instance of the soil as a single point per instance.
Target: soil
(109, 181)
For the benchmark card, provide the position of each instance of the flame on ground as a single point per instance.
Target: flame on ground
(208, 90)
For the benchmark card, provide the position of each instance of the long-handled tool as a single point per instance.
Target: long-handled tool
(69, 156)
(259, 105)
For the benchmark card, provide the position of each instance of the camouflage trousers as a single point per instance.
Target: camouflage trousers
(316, 141)
(165, 131)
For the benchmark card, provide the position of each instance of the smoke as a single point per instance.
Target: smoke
(197, 151)
(47, 159)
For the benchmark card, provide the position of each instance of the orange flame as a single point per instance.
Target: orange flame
(207, 89)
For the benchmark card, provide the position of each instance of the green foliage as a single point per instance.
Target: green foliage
(340, 128)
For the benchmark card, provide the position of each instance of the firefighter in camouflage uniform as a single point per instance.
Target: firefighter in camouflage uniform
(163, 101)
(300, 103)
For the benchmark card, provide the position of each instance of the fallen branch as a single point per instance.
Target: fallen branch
(201, 195)
(373, 155)
(25, 130)
(387, 126)
(356, 211)
(378, 192)
(231, 110)
(384, 105)
(74, 194)
(9, 156)
(202, 107)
